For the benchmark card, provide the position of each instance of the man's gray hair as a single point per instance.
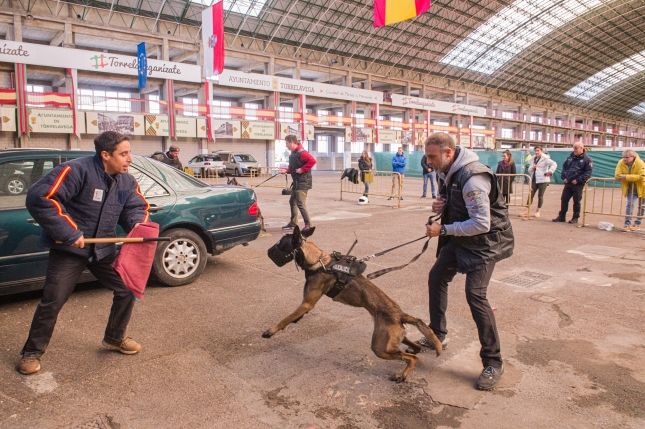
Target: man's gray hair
(443, 140)
(629, 152)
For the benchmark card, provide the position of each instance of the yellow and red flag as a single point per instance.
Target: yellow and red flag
(388, 12)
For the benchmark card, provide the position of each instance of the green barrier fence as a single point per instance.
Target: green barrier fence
(604, 161)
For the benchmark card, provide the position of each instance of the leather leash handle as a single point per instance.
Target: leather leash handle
(379, 273)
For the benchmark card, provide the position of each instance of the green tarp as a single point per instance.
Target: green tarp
(604, 161)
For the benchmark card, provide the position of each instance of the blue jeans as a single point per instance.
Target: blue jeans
(433, 183)
(631, 200)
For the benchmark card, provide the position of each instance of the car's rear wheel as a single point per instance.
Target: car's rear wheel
(181, 260)
(16, 185)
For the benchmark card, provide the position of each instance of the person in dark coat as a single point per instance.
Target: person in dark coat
(300, 164)
(85, 197)
(506, 166)
(576, 170)
(474, 234)
(172, 158)
(428, 175)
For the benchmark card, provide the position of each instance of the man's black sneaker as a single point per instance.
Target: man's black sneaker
(489, 377)
(574, 220)
(558, 219)
(289, 226)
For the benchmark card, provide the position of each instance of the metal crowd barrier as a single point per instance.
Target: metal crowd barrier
(384, 184)
(521, 190)
(604, 196)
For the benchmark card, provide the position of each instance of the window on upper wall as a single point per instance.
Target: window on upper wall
(360, 118)
(508, 115)
(323, 116)
(397, 123)
(286, 114)
(104, 101)
(153, 104)
(191, 106)
(507, 133)
(322, 143)
(221, 109)
(34, 99)
(250, 111)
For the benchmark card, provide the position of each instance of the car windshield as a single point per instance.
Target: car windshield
(244, 157)
(213, 158)
(175, 179)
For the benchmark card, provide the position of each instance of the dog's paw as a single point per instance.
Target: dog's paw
(413, 350)
(267, 334)
(397, 378)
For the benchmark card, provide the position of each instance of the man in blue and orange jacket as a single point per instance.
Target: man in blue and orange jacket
(86, 197)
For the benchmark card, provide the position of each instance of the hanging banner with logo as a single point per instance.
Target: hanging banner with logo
(365, 135)
(7, 119)
(129, 124)
(348, 134)
(436, 105)
(213, 39)
(51, 121)
(289, 129)
(142, 65)
(387, 136)
(185, 126)
(80, 59)
(156, 125)
(309, 132)
(257, 130)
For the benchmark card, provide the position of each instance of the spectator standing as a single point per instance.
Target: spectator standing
(85, 197)
(365, 165)
(630, 170)
(429, 174)
(172, 158)
(399, 162)
(475, 233)
(541, 169)
(575, 172)
(300, 164)
(506, 166)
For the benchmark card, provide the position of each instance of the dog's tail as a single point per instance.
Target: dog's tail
(425, 330)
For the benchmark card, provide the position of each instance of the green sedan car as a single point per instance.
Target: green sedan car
(199, 218)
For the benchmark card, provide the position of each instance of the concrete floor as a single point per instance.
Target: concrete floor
(569, 307)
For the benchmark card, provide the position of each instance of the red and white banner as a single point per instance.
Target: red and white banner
(213, 39)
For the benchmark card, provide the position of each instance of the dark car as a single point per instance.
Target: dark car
(200, 219)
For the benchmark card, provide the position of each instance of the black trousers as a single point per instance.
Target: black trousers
(442, 272)
(63, 271)
(540, 188)
(569, 192)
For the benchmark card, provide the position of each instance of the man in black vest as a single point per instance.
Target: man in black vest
(300, 164)
(474, 234)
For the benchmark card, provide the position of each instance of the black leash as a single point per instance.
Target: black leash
(379, 273)
(264, 181)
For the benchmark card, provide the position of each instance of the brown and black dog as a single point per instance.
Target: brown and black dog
(389, 319)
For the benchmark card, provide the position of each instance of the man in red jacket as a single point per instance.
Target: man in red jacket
(300, 164)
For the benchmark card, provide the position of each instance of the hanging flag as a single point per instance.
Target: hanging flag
(142, 65)
(213, 39)
(388, 12)
(73, 75)
(21, 99)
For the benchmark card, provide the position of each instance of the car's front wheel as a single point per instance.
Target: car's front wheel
(16, 185)
(181, 260)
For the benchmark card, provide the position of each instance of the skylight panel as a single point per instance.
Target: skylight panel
(639, 109)
(512, 30)
(604, 79)
(244, 7)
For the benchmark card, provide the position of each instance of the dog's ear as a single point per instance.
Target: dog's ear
(308, 232)
(296, 238)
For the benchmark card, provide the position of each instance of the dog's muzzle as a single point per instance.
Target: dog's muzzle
(278, 256)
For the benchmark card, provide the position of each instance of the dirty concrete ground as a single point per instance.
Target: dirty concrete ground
(569, 307)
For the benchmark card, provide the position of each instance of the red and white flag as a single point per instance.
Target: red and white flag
(213, 38)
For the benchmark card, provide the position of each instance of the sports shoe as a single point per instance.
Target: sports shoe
(627, 228)
(489, 377)
(429, 345)
(574, 220)
(423, 196)
(28, 365)
(127, 346)
(635, 228)
(557, 219)
(306, 228)
(537, 214)
(289, 226)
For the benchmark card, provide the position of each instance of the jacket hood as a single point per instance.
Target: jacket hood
(464, 157)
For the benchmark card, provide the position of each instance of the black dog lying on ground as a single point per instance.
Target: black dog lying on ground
(389, 319)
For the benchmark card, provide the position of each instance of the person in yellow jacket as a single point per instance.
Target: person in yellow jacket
(631, 172)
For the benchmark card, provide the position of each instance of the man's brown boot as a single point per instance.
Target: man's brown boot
(28, 365)
(127, 346)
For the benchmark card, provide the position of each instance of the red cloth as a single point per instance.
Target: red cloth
(135, 259)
